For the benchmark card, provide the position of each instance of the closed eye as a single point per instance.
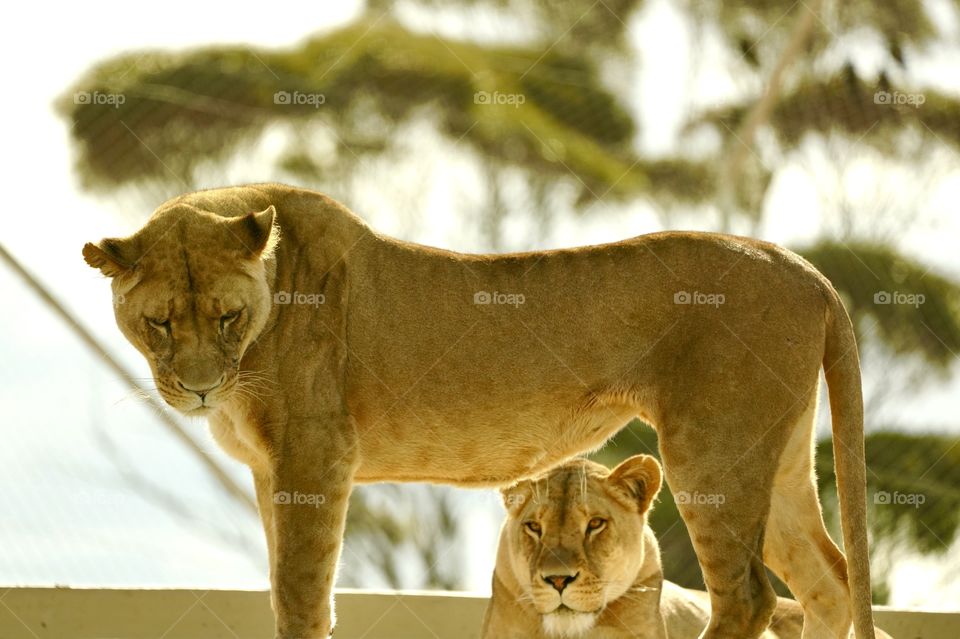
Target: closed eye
(228, 318)
(161, 325)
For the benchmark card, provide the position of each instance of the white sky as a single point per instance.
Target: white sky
(57, 403)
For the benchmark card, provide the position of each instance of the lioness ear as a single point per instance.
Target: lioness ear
(112, 256)
(641, 476)
(257, 232)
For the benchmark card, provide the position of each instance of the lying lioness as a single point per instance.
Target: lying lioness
(576, 559)
(324, 354)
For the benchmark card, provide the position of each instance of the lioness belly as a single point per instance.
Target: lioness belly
(485, 447)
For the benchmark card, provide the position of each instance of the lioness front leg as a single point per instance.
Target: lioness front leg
(263, 483)
(312, 480)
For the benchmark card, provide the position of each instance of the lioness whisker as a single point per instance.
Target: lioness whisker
(249, 395)
(259, 388)
(138, 394)
(256, 375)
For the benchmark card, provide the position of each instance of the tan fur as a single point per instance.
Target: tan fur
(615, 569)
(394, 373)
(618, 569)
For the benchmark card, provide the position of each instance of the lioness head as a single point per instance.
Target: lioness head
(191, 294)
(576, 537)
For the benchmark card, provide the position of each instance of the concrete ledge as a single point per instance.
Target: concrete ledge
(75, 613)
(916, 624)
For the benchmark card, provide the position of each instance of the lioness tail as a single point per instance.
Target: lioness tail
(841, 367)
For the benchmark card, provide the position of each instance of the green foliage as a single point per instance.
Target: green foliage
(560, 124)
(582, 27)
(543, 112)
(903, 19)
(913, 483)
(845, 104)
(380, 521)
(557, 88)
(870, 276)
(757, 29)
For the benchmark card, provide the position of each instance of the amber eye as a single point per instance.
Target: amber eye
(533, 527)
(596, 524)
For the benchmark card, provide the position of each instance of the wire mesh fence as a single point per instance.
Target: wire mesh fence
(521, 124)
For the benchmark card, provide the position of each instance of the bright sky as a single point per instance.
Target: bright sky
(62, 411)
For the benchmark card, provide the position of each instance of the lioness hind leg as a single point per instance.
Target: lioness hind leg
(725, 510)
(798, 548)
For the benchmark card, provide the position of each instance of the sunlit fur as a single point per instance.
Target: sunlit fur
(176, 301)
(608, 561)
(568, 624)
(411, 369)
(650, 608)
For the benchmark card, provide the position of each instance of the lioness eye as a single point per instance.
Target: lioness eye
(227, 318)
(596, 524)
(533, 527)
(161, 325)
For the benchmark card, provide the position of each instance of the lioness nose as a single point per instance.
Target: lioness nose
(200, 389)
(559, 582)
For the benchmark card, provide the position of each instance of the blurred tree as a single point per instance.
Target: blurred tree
(384, 521)
(541, 111)
(870, 275)
(913, 484)
(550, 111)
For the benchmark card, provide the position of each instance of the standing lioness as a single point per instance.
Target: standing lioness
(324, 354)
